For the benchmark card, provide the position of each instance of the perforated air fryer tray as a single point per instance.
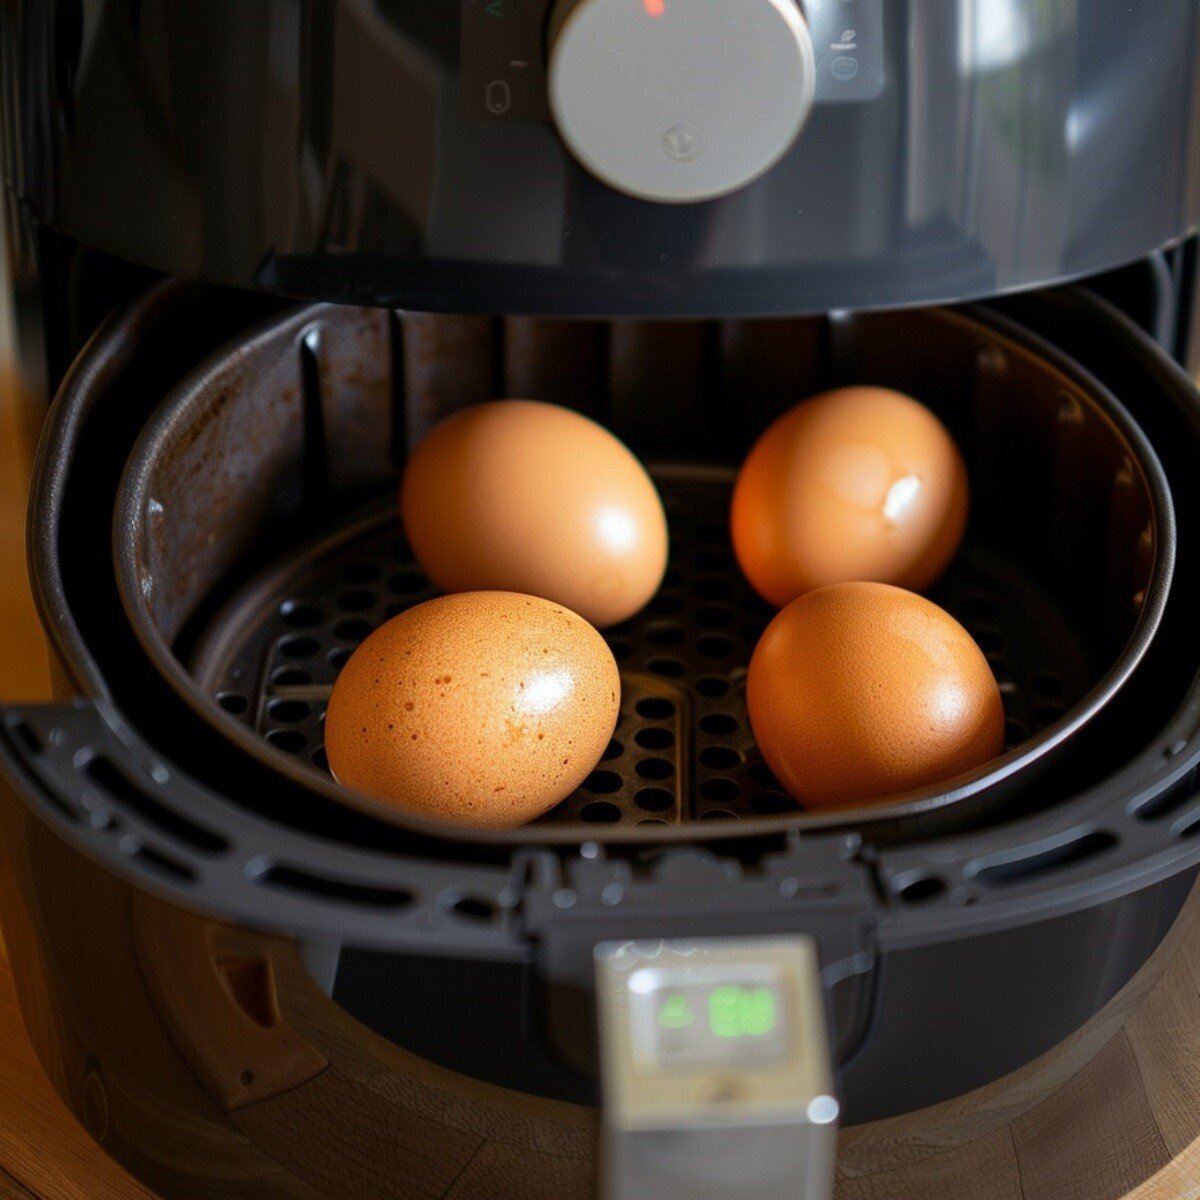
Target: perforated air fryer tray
(682, 748)
(249, 570)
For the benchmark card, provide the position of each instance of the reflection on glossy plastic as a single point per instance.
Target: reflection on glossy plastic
(360, 151)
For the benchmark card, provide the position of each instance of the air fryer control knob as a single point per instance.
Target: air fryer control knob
(679, 100)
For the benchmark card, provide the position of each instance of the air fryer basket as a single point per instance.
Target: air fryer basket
(293, 437)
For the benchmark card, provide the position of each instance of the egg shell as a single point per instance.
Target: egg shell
(481, 708)
(863, 691)
(861, 483)
(522, 496)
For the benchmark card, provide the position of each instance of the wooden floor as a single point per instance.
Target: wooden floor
(1116, 1114)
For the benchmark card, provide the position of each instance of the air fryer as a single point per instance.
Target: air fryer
(260, 250)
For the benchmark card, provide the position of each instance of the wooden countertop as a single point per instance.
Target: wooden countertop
(1122, 1120)
(44, 1152)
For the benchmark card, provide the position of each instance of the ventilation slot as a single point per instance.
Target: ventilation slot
(162, 864)
(109, 777)
(289, 879)
(1170, 801)
(1188, 825)
(26, 737)
(1068, 854)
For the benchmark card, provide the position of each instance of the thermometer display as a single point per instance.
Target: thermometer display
(690, 1018)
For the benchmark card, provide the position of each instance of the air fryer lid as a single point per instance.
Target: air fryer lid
(1063, 578)
(403, 154)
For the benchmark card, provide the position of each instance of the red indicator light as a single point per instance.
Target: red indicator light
(654, 8)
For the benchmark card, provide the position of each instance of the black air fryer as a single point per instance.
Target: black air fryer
(260, 248)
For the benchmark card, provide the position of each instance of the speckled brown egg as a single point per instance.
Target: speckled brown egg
(481, 708)
(861, 483)
(862, 691)
(521, 496)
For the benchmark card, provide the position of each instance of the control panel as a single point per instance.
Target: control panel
(670, 100)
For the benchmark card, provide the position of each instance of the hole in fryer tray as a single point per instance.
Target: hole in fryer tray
(290, 741)
(288, 711)
(669, 668)
(715, 647)
(299, 615)
(614, 750)
(665, 633)
(655, 708)
(764, 777)
(720, 790)
(654, 738)
(600, 811)
(602, 783)
(353, 629)
(719, 724)
(233, 703)
(299, 647)
(718, 814)
(713, 589)
(361, 572)
(719, 758)
(712, 617)
(654, 799)
(772, 802)
(664, 605)
(656, 768)
(356, 601)
(291, 677)
(713, 686)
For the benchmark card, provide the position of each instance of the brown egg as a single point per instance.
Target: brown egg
(482, 708)
(860, 483)
(861, 691)
(521, 496)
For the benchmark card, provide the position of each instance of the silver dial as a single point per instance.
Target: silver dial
(679, 100)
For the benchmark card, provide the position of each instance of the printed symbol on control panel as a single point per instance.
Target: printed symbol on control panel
(498, 97)
(848, 40)
(844, 68)
(675, 1013)
(681, 143)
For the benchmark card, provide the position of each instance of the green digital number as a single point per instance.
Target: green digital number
(737, 1011)
(675, 1013)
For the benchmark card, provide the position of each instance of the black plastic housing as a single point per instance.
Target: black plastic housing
(341, 150)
